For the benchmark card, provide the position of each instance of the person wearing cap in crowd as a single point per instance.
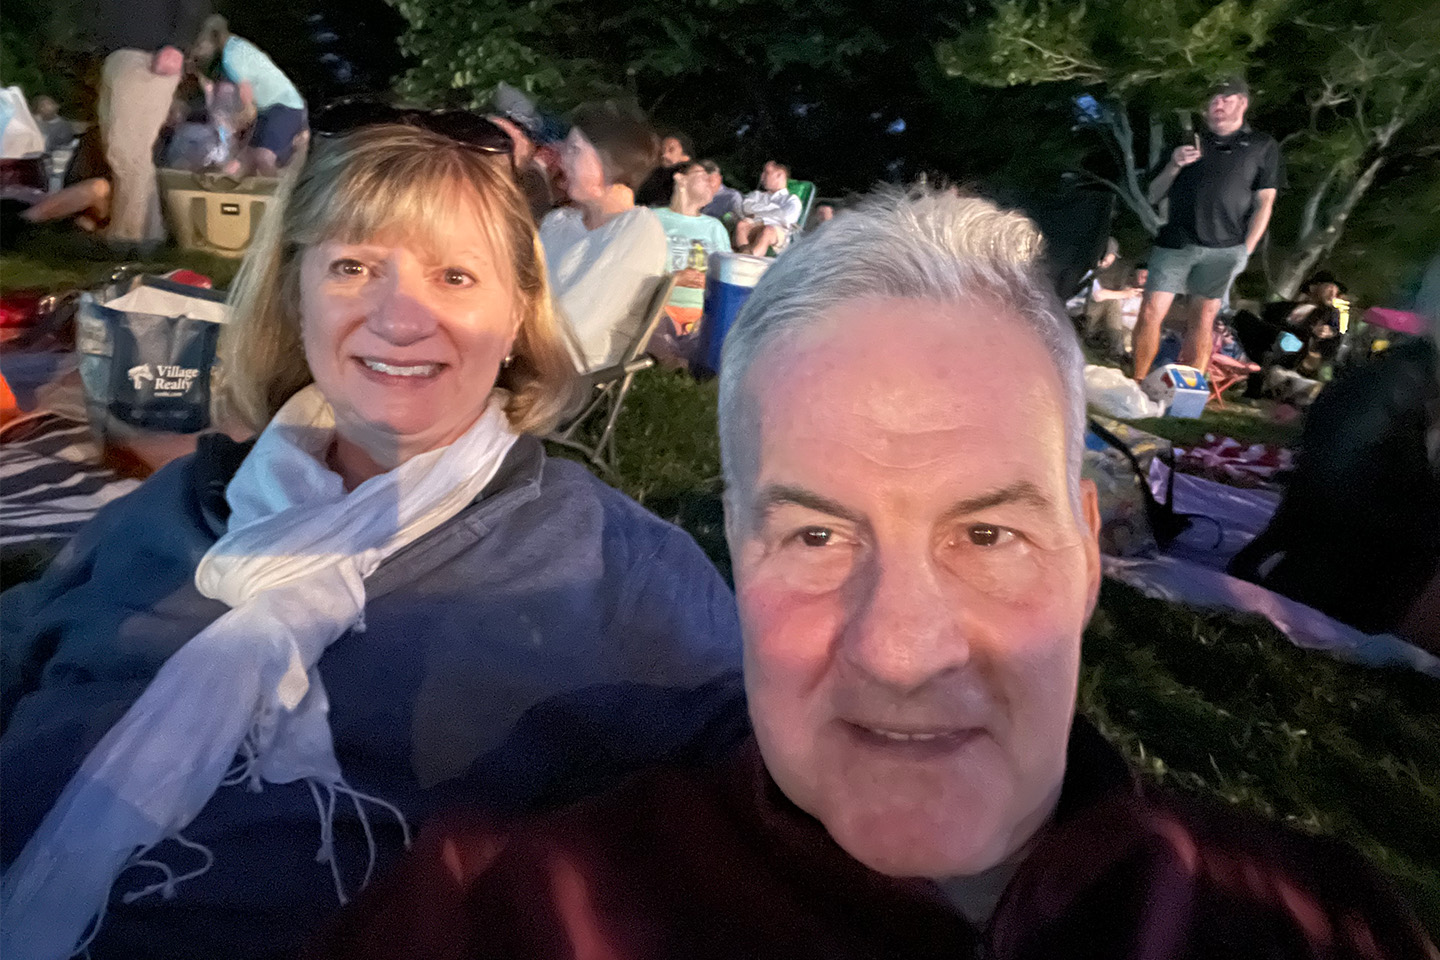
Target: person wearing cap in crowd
(1221, 187)
(916, 555)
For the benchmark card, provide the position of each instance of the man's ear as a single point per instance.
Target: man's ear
(1090, 511)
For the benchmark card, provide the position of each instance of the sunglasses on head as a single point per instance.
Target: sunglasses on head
(472, 130)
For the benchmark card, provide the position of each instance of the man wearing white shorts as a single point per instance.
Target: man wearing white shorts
(1221, 188)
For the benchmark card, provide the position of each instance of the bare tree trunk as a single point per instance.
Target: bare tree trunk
(1129, 189)
(1321, 242)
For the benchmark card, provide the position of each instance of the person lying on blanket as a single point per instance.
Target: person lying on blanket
(390, 598)
(901, 421)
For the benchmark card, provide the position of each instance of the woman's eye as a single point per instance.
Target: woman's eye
(455, 277)
(346, 267)
(986, 535)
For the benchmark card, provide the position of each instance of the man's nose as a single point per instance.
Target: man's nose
(402, 313)
(906, 629)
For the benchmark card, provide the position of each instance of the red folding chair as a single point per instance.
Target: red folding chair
(1225, 371)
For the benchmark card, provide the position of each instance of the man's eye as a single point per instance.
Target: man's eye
(986, 535)
(346, 267)
(455, 277)
(815, 536)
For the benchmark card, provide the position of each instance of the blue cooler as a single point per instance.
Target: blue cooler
(728, 283)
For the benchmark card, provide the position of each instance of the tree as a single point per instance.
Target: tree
(1153, 56)
(1348, 85)
(845, 96)
(1372, 96)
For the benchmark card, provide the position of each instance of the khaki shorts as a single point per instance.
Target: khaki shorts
(1205, 272)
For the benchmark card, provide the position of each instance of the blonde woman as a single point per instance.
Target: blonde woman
(390, 599)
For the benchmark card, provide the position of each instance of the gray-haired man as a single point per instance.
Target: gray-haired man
(901, 407)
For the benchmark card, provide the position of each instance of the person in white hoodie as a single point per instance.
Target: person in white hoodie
(603, 253)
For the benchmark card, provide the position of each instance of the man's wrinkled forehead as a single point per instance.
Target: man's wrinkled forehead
(892, 375)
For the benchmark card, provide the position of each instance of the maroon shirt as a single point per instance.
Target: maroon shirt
(717, 863)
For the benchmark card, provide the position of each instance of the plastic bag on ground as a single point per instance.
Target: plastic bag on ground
(1110, 392)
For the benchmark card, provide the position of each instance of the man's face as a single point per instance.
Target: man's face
(1142, 276)
(696, 183)
(672, 152)
(772, 177)
(1325, 292)
(913, 581)
(1226, 112)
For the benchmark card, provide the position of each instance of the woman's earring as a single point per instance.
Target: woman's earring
(509, 359)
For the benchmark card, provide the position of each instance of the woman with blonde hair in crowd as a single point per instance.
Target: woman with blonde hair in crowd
(389, 600)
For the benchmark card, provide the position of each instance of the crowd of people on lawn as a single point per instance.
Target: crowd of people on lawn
(388, 680)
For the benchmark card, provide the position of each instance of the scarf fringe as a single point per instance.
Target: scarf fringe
(326, 795)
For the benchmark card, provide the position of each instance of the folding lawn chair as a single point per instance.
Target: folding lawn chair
(805, 190)
(609, 385)
(1226, 371)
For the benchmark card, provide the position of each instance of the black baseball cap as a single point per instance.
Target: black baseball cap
(1228, 86)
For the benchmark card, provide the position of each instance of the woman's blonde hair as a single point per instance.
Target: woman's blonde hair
(398, 180)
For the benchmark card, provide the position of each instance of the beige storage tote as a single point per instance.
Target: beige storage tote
(213, 212)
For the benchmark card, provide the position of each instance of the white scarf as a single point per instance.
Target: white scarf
(292, 567)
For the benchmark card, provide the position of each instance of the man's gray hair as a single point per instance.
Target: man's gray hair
(924, 244)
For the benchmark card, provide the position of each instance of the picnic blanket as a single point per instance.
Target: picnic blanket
(52, 478)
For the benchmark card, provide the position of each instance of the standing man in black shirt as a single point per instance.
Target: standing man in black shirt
(1222, 190)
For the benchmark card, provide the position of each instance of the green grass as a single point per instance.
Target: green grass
(1207, 703)
(55, 258)
(1246, 422)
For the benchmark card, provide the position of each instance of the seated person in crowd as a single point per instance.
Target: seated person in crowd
(1357, 534)
(58, 131)
(1108, 270)
(693, 238)
(727, 203)
(390, 599)
(1295, 335)
(916, 556)
(1110, 313)
(769, 215)
(279, 108)
(675, 150)
(824, 213)
(604, 254)
(85, 188)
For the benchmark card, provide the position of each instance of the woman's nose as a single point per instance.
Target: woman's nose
(402, 313)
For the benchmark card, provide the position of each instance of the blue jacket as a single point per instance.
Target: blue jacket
(549, 639)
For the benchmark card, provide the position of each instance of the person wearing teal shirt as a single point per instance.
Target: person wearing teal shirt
(693, 236)
(279, 108)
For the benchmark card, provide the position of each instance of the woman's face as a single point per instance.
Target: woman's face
(404, 341)
(584, 171)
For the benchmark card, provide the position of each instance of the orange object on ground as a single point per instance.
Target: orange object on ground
(9, 408)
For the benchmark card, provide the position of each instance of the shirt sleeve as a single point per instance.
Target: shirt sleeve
(720, 238)
(791, 210)
(1271, 175)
